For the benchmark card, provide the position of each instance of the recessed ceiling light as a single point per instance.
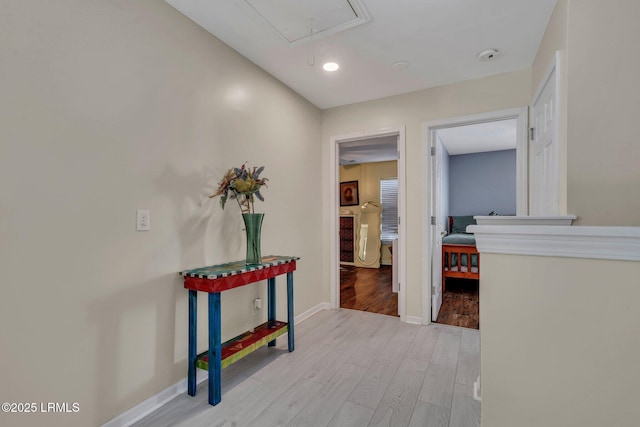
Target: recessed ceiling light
(330, 66)
(400, 65)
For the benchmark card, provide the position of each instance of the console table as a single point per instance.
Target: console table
(218, 278)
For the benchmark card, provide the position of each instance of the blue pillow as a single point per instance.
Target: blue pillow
(460, 223)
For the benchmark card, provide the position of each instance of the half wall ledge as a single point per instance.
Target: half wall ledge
(613, 243)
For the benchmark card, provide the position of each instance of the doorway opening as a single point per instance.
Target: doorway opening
(477, 168)
(368, 200)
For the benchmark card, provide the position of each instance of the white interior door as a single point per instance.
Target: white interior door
(437, 227)
(543, 150)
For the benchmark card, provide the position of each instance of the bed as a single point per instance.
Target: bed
(460, 258)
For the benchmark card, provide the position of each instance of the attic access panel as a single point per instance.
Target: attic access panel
(296, 20)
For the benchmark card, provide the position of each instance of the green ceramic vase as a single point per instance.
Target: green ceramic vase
(253, 227)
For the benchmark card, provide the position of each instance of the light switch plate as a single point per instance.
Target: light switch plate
(143, 220)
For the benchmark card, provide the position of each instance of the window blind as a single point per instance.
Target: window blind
(389, 201)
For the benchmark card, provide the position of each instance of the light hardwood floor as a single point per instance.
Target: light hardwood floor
(349, 368)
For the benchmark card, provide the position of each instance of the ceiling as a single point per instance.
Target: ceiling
(481, 137)
(379, 149)
(431, 42)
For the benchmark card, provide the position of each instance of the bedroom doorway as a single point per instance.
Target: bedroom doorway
(484, 157)
(365, 204)
(368, 224)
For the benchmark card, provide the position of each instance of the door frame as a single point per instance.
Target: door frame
(429, 130)
(435, 255)
(334, 206)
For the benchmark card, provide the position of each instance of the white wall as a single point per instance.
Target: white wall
(412, 110)
(109, 107)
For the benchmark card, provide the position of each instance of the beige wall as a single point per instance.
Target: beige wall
(412, 110)
(555, 38)
(560, 342)
(368, 176)
(603, 93)
(559, 336)
(109, 107)
(599, 150)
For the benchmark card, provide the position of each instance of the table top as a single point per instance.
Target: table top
(237, 267)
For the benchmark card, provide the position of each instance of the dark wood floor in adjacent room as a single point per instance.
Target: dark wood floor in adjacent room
(461, 304)
(368, 289)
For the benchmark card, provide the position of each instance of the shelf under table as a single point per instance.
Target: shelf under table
(245, 344)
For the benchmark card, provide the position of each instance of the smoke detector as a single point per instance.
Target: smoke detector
(488, 54)
(400, 65)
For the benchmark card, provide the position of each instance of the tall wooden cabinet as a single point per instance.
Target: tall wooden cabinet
(347, 239)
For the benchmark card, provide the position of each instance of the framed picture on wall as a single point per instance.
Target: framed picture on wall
(349, 193)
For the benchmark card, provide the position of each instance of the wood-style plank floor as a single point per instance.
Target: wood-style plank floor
(460, 304)
(350, 368)
(368, 289)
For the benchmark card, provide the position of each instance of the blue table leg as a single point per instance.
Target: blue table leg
(193, 336)
(215, 349)
(271, 302)
(290, 318)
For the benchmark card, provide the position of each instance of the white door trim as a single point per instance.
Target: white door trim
(334, 206)
(428, 134)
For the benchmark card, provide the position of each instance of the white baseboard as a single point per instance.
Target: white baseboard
(313, 310)
(414, 319)
(154, 402)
